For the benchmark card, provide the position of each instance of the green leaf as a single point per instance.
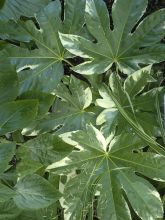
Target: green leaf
(13, 9)
(143, 123)
(107, 172)
(47, 149)
(5, 193)
(8, 210)
(41, 68)
(7, 151)
(80, 96)
(26, 166)
(34, 192)
(137, 128)
(2, 3)
(8, 82)
(145, 101)
(45, 100)
(9, 30)
(160, 120)
(17, 115)
(136, 82)
(70, 111)
(120, 46)
(33, 215)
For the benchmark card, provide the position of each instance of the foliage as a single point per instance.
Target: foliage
(81, 117)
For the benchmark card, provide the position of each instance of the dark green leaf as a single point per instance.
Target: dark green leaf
(17, 115)
(8, 82)
(7, 151)
(34, 192)
(47, 149)
(6, 193)
(13, 9)
(8, 210)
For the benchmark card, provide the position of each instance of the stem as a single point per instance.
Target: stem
(160, 118)
(66, 61)
(7, 184)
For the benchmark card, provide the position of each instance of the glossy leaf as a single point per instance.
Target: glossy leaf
(70, 112)
(120, 46)
(41, 69)
(123, 99)
(109, 172)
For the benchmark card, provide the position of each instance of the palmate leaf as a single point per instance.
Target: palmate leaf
(41, 69)
(110, 175)
(13, 9)
(127, 50)
(70, 111)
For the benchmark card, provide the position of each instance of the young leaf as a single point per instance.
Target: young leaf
(108, 173)
(34, 192)
(120, 46)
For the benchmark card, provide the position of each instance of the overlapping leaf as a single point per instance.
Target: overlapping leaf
(17, 115)
(70, 111)
(104, 176)
(120, 46)
(8, 210)
(13, 9)
(45, 149)
(109, 173)
(42, 66)
(30, 192)
(7, 151)
(33, 192)
(9, 86)
(121, 102)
